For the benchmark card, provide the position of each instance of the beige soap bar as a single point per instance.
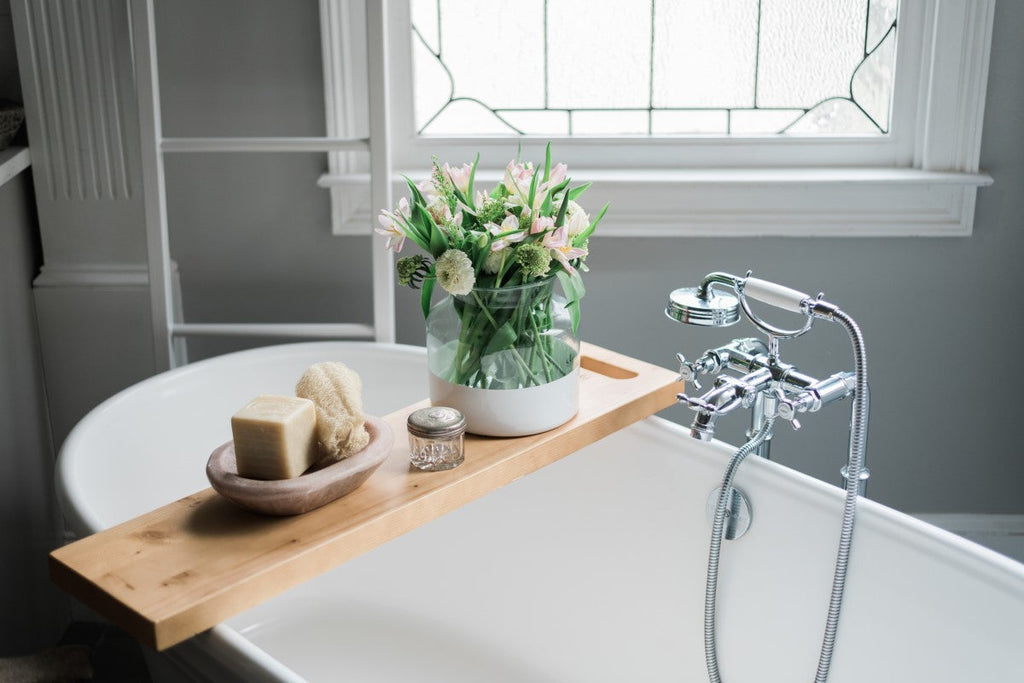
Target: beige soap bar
(275, 437)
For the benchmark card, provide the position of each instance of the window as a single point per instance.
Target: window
(728, 67)
(891, 157)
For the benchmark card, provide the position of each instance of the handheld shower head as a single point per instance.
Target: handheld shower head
(686, 305)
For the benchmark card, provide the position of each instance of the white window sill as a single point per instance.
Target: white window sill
(13, 161)
(799, 202)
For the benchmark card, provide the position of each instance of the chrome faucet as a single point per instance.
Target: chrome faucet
(774, 390)
(767, 385)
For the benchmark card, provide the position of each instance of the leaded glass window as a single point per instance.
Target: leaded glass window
(653, 67)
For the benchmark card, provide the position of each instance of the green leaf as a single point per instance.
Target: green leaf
(414, 191)
(459, 196)
(428, 289)
(572, 286)
(420, 220)
(546, 208)
(416, 234)
(481, 256)
(438, 241)
(533, 190)
(574, 315)
(582, 237)
(472, 176)
(577, 191)
(547, 163)
(561, 211)
(502, 339)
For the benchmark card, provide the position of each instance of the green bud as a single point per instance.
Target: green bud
(411, 270)
(533, 258)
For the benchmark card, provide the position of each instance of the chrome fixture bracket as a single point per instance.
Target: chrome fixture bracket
(738, 514)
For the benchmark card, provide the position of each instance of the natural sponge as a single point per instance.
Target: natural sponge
(337, 392)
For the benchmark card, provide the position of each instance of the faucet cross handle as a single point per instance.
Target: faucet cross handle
(787, 408)
(688, 370)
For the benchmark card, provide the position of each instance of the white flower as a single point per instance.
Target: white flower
(507, 226)
(455, 272)
(576, 219)
(391, 225)
(492, 262)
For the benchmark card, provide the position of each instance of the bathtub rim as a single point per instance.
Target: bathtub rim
(80, 519)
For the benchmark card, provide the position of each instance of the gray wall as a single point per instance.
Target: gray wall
(32, 611)
(251, 236)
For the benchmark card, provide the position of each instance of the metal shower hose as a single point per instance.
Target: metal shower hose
(858, 442)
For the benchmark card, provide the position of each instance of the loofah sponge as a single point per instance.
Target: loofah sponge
(337, 392)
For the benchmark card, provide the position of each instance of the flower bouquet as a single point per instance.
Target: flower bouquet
(498, 255)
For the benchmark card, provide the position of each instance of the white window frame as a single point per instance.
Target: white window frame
(920, 181)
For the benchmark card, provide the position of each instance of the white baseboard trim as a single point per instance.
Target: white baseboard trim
(977, 523)
(95, 275)
(1002, 533)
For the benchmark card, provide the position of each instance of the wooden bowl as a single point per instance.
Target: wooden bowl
(312, 489)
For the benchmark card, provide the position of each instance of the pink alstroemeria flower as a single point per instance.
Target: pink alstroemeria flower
(557, 175)
(391, 225)
(510, 223)
(541, 223)
(561, 248)
(459, 176)
(517, 178)
(427, 189)
(439, 210)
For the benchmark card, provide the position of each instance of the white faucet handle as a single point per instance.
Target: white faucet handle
(774, 294)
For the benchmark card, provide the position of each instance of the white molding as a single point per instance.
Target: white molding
(834, 202)
(921, 184)
(284, 144)
(953, 82)
(343, 89)
(283, 330)
(53, 275)
(13, 161)
(76, 81)
(92, 275)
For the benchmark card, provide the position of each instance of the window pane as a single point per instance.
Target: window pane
(705, 53)
(653, 67)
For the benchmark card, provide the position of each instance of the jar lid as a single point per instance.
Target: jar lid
(436, 422)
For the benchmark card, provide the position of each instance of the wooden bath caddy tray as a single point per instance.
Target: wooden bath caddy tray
(180, 569)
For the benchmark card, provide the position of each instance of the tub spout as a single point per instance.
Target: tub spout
(728, 394)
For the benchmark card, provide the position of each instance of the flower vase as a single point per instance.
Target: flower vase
(507, 358)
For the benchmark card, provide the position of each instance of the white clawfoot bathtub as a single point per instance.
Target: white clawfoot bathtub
(590, 570)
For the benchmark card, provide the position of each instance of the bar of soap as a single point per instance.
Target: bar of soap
(275, 437)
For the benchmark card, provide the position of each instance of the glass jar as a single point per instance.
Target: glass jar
(436, 438)
(507, 358)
